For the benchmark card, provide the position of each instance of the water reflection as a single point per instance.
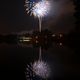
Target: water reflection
(63, 59)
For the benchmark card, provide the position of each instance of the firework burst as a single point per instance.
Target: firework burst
(38, 9)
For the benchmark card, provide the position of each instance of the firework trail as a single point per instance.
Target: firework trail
(38, 9)
(40, 23)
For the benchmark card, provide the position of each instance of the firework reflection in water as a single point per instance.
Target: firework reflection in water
(41, 69)
(39, 9)
(37, 70)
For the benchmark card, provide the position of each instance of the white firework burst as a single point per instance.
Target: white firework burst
(41, 69)
(38, 9)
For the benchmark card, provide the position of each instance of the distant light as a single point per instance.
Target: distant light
(61, 35)
(53, 35)
(25, 39)
(36, 41)
(60, 44)
(36, 37)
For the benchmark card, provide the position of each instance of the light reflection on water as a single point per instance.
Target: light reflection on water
(62, 60)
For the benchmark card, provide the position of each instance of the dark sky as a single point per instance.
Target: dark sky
(13, 17)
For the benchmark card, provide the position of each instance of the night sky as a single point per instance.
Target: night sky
(13, 58)
(13, 17)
